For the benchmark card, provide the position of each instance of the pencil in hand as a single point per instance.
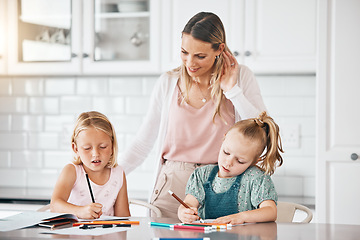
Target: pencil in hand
(183, 203)
(91, 193)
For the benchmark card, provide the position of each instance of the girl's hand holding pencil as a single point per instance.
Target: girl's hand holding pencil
(91, 211)
(186, 213)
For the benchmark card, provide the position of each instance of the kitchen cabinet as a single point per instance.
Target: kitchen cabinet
(269, 36)
(338, 142)
(44, 37)
(2, 37)
(82, 37)
(121, 38)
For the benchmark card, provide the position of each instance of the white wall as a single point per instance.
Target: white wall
(37, 116)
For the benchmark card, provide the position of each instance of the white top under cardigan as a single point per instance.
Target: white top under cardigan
(245, 96)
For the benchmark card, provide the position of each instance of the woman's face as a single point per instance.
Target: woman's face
(197, 56)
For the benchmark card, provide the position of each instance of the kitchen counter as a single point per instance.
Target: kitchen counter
(15, 195)
(271, 231)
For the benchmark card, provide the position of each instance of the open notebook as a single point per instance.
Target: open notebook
(32, 218)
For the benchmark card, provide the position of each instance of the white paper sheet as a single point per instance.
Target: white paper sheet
(93, 232)
(5, 214)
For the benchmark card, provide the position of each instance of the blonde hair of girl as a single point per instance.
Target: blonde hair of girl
(207, 27)
(265, 131)
(98, 121)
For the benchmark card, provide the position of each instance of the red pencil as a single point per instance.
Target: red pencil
(192, 227)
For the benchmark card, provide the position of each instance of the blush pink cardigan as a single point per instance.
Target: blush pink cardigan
(245, 97)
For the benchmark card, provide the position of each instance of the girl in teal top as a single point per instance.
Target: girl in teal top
(239, 189)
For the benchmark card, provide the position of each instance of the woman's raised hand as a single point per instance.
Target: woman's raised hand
(230, 72)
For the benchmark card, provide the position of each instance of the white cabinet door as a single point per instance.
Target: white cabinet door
(176, 13)
(338, 194)
(280, 36)
(44, 37)
(121, 41)
(2, 37)
(269, 36)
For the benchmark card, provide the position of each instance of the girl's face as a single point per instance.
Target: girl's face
(237, 153)
(94, 147)
(198, 56)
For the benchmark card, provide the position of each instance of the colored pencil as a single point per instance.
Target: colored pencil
(157, 224)
(182, 202)
(181, 226)
(91, 226)
(105, 222)
(192, 227)
(214, 226)
(207, 224)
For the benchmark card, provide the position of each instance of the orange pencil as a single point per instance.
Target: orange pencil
(105, 222)
(182, 203)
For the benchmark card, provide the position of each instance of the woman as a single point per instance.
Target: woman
(191, 109)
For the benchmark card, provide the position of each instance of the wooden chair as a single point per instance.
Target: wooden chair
(131, 202)
(286, 212)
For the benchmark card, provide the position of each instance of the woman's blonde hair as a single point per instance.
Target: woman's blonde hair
(265, 131)
(98, 121)
(207, 27)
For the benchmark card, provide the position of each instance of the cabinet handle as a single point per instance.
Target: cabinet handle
(236, 53)
(247, 53)
(73, 55)
(85, 55)
(354, 156)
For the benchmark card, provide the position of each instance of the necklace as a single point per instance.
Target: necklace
(203, 98)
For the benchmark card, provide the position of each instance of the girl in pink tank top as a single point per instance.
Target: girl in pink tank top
(93, 185)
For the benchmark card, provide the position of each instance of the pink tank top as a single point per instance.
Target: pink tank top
(191, 135)
(105, 194)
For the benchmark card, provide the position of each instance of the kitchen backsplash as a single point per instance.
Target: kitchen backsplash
(37, 115)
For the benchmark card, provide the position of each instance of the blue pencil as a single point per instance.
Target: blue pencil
(157, 224)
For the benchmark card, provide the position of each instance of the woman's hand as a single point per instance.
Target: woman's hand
(230, 72)
(187, 215)
(91, 211)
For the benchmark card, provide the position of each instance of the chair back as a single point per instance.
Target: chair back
(147, 205)
(286, 212)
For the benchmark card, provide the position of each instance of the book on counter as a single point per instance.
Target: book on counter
(54, 220)
(70, 220)
(59, 221)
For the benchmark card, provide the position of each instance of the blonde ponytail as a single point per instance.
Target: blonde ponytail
(267, 161)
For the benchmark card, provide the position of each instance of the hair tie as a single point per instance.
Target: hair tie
(259, 122)
(263, 125)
